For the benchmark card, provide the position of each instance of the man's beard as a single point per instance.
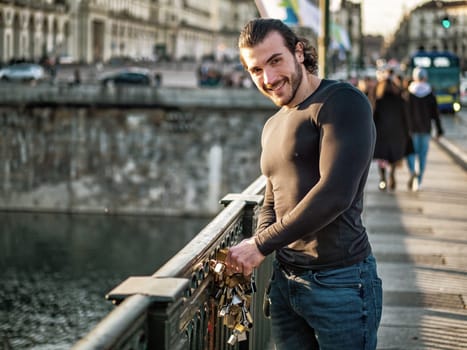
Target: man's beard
(294, 82)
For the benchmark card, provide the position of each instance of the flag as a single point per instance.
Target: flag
(339, 37)
(302, 13)
(309, 15)
(291, 12)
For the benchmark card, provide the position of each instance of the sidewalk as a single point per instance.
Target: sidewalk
(420, 242)
(454, 141)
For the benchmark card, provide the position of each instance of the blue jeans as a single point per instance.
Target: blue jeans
(327, 310)
(421, 143)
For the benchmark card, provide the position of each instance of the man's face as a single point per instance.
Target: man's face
(274, 69)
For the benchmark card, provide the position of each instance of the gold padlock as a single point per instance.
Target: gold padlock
(240, 328)
(221, 255)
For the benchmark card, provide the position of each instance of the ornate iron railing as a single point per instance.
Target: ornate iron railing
(174, 309)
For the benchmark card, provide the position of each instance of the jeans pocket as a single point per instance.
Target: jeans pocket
(378, 299)
(348, 277)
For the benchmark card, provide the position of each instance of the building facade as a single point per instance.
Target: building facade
(28, 29)
(349, 18)
(97, 30)
(434, 25)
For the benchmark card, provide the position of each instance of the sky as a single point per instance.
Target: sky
(383, 16)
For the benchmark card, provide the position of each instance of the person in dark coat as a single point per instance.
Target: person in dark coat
(392, 134)
(422, 110)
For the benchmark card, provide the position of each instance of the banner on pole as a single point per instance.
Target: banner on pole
(291, 12)
(302, 13)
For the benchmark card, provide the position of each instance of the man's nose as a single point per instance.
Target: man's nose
(269, 76)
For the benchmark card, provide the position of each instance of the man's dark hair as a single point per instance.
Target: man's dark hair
(257, 29)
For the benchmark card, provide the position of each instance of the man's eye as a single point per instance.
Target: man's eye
(275, 61)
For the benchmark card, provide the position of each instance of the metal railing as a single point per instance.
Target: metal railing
(174, 308)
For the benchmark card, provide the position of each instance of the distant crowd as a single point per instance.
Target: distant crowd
(404, 111)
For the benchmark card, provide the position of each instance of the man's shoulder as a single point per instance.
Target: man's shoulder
(337, 89)
(328, 89)
(340, 96)
(330, 86)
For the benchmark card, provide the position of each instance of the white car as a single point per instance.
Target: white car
(463, 91)
(22, 72)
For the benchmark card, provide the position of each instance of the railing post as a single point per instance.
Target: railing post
(164, 327)
(165, 310)
(253, 201)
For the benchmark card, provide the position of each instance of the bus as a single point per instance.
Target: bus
(443, 75)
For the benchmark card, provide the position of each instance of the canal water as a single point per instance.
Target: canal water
(55, 270)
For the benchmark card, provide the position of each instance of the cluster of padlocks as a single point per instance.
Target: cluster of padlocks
(233, 293)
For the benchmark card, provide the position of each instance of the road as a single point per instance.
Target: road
(173, 74)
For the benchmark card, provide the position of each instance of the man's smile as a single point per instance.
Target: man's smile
(276, 87)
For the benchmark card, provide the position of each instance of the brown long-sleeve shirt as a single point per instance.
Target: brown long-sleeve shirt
(316, 158)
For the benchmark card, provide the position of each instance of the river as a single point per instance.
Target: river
(55, 270)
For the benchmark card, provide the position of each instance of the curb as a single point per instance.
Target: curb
(459, 156)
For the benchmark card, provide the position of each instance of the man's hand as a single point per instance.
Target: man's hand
(244, 257)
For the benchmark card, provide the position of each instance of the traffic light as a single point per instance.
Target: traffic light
(446, 22)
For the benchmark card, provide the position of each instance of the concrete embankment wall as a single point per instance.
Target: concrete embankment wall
(178, 155)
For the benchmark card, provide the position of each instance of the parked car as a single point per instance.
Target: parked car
(29, 72)
(65, 59)
(128, 76)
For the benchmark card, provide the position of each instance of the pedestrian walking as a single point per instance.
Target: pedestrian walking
(422, 111)
(393, 141)
(76, 76)
(367, 85)
(316, 153)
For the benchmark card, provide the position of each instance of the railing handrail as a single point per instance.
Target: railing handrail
(208, 235)
(108, 332)
(115, 329)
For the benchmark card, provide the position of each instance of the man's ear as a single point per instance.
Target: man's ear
(299, 52)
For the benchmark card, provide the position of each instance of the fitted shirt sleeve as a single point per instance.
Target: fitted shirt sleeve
(347, 137)
(267, 215)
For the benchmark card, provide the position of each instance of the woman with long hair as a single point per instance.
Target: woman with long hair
(392, 135)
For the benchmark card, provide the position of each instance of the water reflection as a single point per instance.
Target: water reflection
(55, 270)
